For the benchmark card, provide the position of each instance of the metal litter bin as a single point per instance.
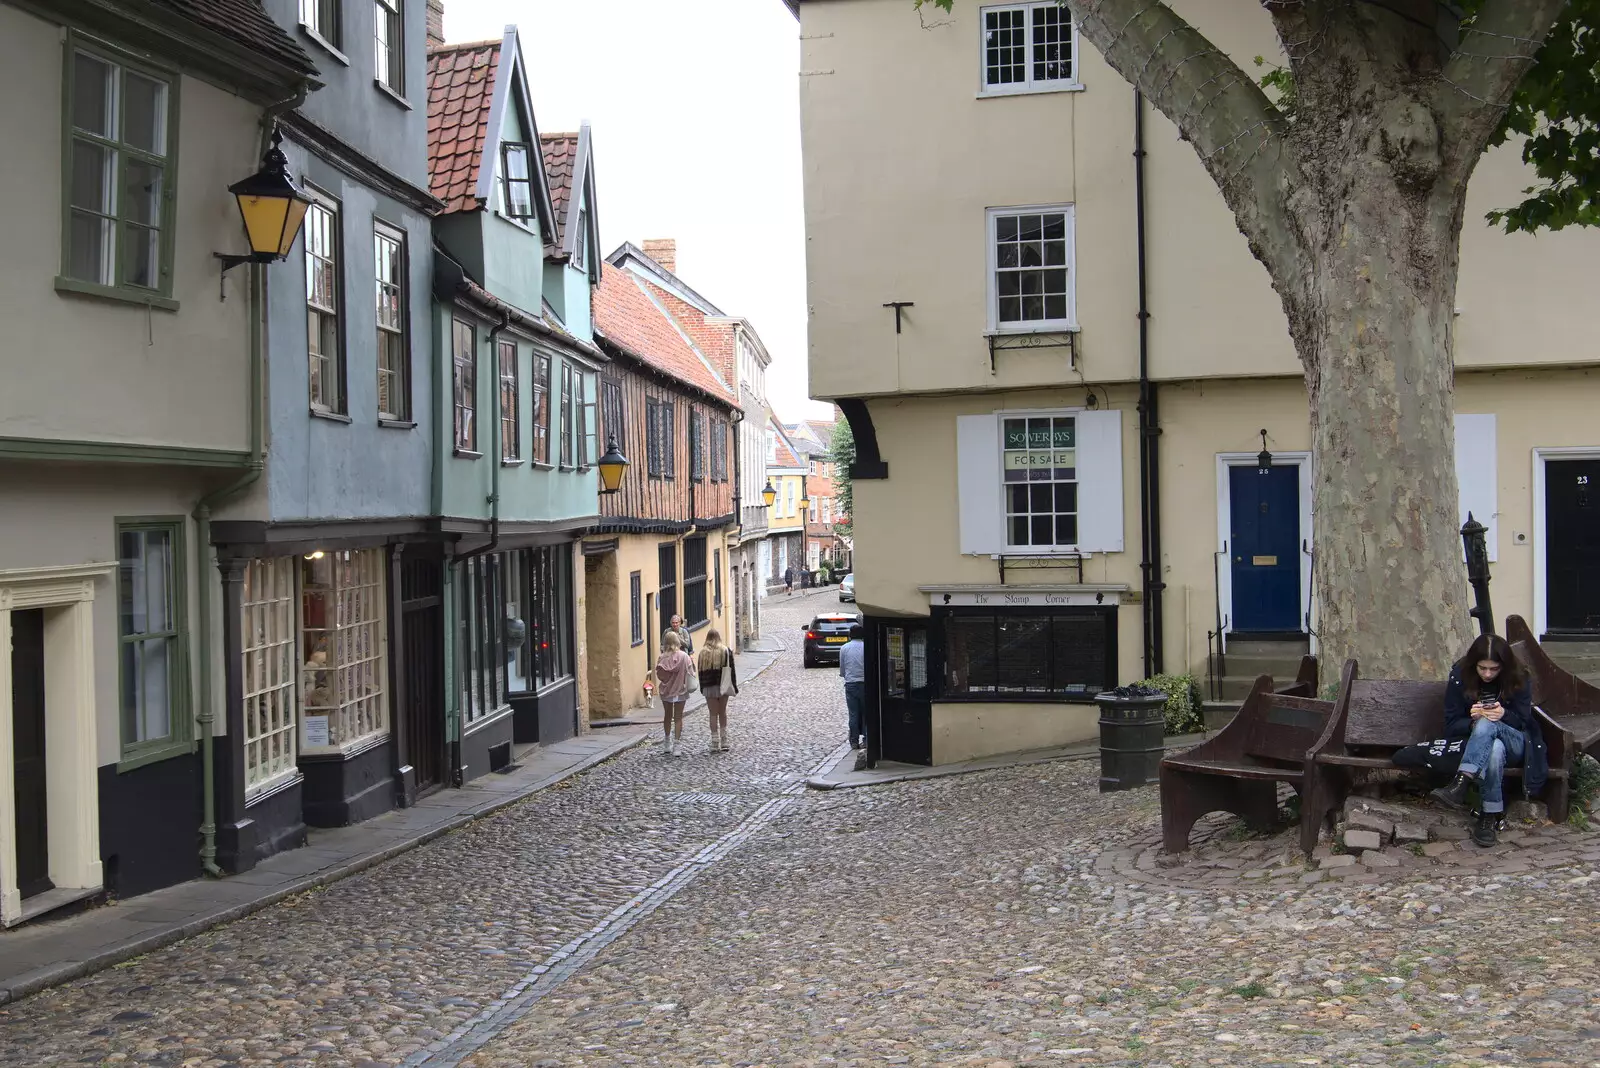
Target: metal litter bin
(1133, 725)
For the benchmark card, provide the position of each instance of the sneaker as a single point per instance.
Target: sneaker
(668, 744)
(725, 745)
(680, 749)
(1484, 832)
(716, 742)
(1454, 795)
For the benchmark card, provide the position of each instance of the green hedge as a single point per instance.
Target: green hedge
(1183, 702)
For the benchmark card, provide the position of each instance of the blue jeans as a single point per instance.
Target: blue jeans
(855, 698)
(1491, 746)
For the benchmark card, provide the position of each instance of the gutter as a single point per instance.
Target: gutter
(498, 456)
(202, 517)
(1149, 432)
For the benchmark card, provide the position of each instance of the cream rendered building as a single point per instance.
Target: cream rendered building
(978, 168)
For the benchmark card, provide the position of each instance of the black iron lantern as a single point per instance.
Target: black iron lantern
(612, 466)
(1264, 457)
(769, 494)
(271, 206)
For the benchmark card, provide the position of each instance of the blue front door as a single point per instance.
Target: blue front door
(1264, 549)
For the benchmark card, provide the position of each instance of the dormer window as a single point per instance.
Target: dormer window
(515, 177)
(580, 243)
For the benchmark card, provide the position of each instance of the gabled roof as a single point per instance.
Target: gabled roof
(246, 22)
(813, 437)
(785, 454)
(714, 338)
(569, 161)
(470, 87)
(627, 316)
(634, 258)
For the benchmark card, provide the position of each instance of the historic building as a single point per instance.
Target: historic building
(825, 542)
(1035, 252)
(783, 554)
(662, 544)
(132, 407)
(512, 337)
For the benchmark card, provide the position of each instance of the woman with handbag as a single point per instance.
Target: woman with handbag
(718, 681)
(674, 679)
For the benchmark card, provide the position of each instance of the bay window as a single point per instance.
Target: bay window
(1062, 654)
(344, 673)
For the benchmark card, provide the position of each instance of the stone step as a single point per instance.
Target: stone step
(1279, 667)
(1293, 646)
(1578, 665)
(1236, 688)
(1558, 650)
(1218, 714)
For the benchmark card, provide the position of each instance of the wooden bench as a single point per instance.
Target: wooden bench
(1570, 701)
(1378, 718)
(1239, 769)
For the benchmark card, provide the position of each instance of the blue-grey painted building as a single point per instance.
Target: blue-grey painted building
(517, 403)
(332, 554)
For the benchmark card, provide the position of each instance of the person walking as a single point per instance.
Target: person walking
(853, 670)
(684, 637)
(719, 680)
(672, 684)
(788, 581)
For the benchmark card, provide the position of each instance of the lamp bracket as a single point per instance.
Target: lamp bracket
(229, 262)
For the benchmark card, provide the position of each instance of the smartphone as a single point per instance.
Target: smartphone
(1491, 702)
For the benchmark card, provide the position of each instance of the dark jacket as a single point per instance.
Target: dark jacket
(1518, 714)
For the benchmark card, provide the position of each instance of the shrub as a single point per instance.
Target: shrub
(1183, 702)
(1584, 786)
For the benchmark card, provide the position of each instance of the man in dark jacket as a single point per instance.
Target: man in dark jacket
(1496, 717)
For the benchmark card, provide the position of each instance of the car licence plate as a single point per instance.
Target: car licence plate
(834, 641)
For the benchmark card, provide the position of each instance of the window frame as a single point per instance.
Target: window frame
(262, 684)
(938, 672)
(370, 568)
(996, 326)
(636, 608)
(1029, 86)
(696, 592)
(587, 414)
(1007, 513)
(483, 687)
(506, 181)
(716, 578)
(580, 240)
(667, 599)
(613, 414)
(569, 424)
(159, 296)
(180, 709)
(392, 79)
(400, 382)
(338, 361)
(314, 28)
(469, 362)
(510, 386)
(540, 415)
(697, 450)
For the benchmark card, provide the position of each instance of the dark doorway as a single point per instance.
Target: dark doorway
(422, 613)
(906, 705)
(1572, 545)
(1264, 548)
(27, 720)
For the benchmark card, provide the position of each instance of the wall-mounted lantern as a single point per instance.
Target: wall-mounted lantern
(1264, 458)
(272, 208)
(612, 467)
(769, 494)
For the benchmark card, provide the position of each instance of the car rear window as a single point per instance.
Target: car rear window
(833, 626)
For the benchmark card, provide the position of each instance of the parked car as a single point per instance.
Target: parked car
(824, 635)
(847, 589)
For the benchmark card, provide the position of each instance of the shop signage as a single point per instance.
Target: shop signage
(1032, 599)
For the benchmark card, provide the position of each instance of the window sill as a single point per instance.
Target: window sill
(1030, 328)
(392, 95)
(353, 748)
(1031, 90)
(520, 222)
(397, 424)
(326, 45)
(468, 454)
(332, 417)
(254, 795)
(544, 465)
(139, 758)
(511, 463)
(637, 643)
(142, 299)
(486, 719)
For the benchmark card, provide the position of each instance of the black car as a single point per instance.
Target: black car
(824, 635)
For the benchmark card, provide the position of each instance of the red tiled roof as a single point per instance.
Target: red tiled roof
(784, 456)
(714, 340)
(461, 81)
(247, 22)
(560, 157)
(625, 315)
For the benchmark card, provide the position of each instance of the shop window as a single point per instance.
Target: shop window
(1061, 655)
(481, 646)
(268, 640)
(344, 676)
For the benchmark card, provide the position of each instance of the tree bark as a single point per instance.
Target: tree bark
(1354, 203)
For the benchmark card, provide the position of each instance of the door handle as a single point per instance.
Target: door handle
(1238, 559)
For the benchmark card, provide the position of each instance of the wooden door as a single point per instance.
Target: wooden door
(28, 752)
(907, 706)
(1572, 545)
(1265, 547)
(422, 608)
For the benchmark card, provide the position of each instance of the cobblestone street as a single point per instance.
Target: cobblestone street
(707, 910)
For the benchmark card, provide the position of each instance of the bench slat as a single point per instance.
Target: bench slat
(1234, 770)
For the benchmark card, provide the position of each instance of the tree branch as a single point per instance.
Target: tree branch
(1217, 107)
(1497, 48)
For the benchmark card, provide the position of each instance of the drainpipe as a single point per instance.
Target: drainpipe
(202, 517)
(494, 470)
(1149, 432)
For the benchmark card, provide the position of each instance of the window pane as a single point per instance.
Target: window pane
(142, 251)
(1022, 657)
(1078, 654)
(93, 177)
(145, 113)
(94, 95)
(970, 654)
(144, 192)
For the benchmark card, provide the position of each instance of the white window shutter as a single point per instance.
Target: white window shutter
(1477, 474)
(1099, 447)
(978, 485)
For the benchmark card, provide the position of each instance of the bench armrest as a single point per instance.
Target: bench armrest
(1332, 740)
(1558, 741)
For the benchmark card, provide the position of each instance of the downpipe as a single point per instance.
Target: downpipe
(1150, 582)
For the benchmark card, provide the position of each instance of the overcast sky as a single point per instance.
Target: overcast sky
(695, 113)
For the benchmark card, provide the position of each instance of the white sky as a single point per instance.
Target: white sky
(695, 111)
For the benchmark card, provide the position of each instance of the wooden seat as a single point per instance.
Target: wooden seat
(1238, 769)
(1378, 718)
(1569, 700)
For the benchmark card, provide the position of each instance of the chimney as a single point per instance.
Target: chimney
(435, 23)
(664, 250)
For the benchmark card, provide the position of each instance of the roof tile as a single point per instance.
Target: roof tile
(625, 315)
(247, 22)
(461, 83)
(560, 157)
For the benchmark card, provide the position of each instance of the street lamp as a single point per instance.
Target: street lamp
(1264, 458)
(769, 494)
(272, 208)
(612, 466)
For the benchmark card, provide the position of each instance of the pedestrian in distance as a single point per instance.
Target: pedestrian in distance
(853, 670)
(1489, 702)
(684, 637)
(672, 685)
(788, 581)
(719, 680)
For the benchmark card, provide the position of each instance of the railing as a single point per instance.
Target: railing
(1216, 655)
(1033, 563)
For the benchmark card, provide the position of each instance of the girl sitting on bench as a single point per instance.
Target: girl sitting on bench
(1489, 702)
